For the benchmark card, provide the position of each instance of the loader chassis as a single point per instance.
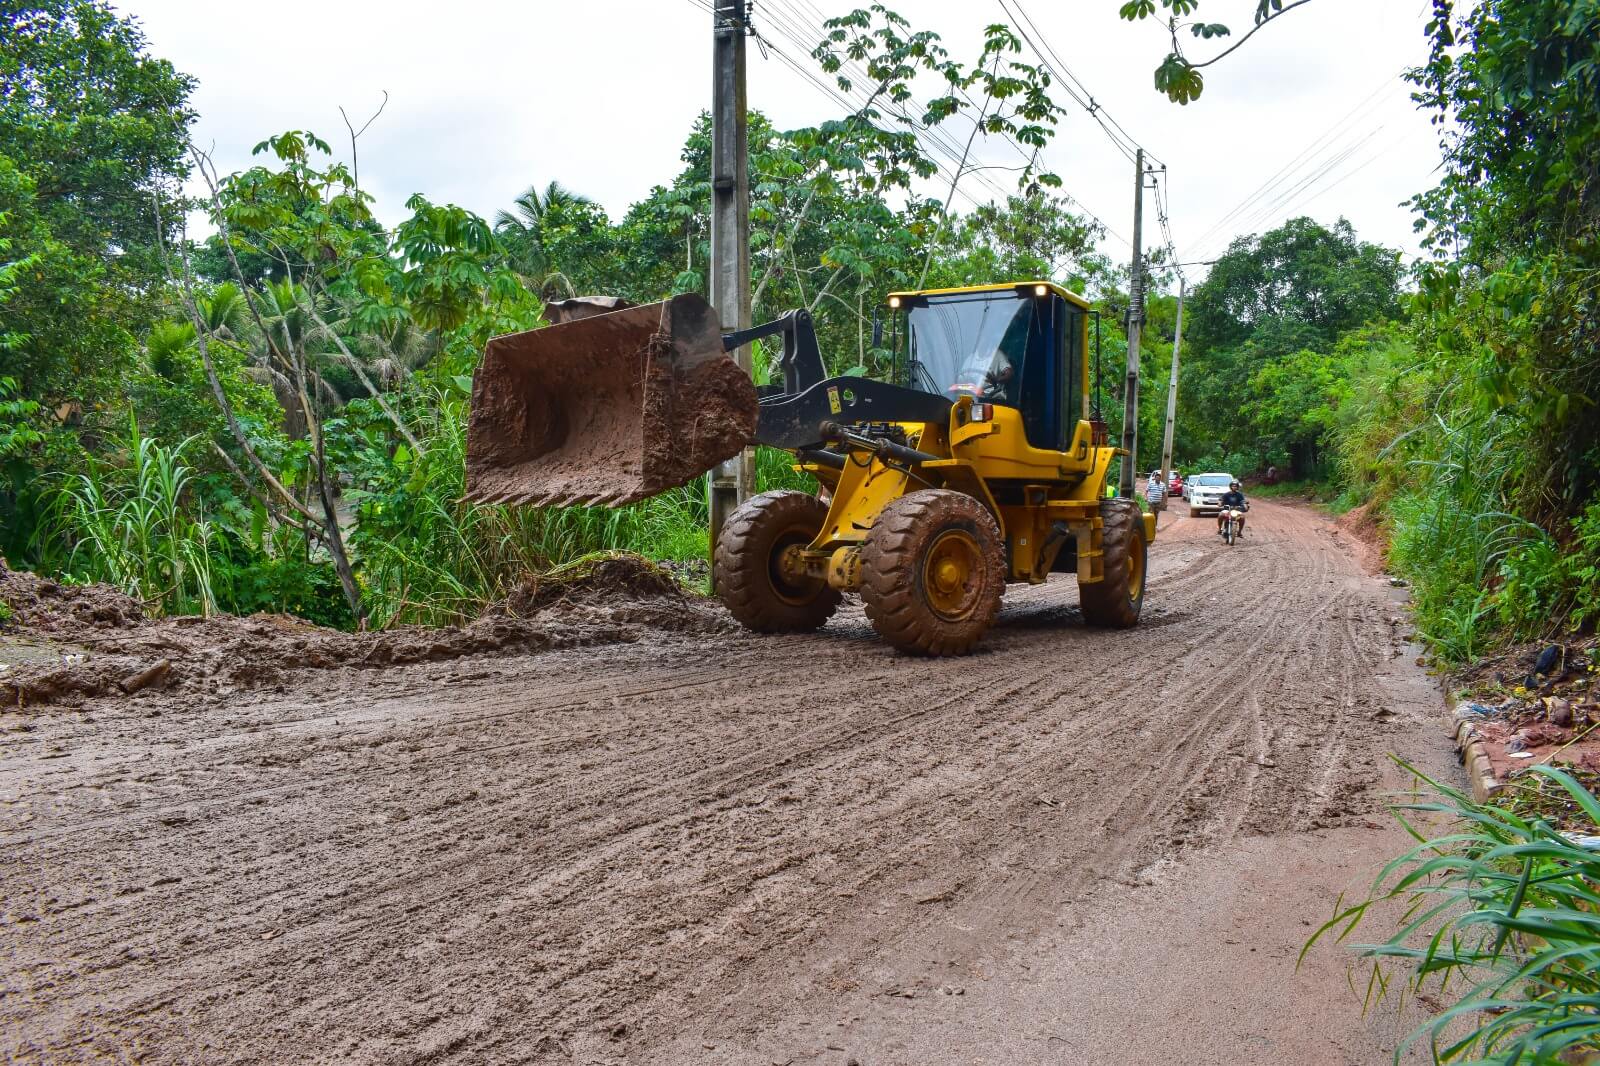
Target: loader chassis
(992, 405)
(981, 463)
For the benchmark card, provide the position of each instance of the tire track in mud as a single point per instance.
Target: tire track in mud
(581, 852)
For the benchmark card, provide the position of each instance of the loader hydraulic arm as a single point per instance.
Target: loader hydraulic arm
(802, 359)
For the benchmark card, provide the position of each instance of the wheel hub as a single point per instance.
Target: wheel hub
(951, 574)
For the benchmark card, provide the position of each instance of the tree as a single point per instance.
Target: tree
(1297, 288)
(91, 129)
(540, 234)
(1510, 302)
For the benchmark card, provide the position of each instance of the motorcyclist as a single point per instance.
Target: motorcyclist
(1232, 500)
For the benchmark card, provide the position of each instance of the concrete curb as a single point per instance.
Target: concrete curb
(1473, 754)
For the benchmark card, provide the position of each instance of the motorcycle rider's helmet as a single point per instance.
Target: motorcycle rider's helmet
(1234, 483)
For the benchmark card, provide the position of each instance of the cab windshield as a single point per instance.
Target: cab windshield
(970, 345)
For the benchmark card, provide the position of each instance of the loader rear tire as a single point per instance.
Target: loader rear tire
(1116, 599)
(932, 572)
(750, 581)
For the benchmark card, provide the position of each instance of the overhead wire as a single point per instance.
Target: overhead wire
(794, 26)
(952, 152)
(1306, 156)
(803, 34)
(1071, 83)
(1079, 93)
(1289, 196)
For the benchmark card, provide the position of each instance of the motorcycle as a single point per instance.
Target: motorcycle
(1232, 525)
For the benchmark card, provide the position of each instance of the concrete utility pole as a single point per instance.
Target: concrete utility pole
(1130, 397)
(731, 483)
(1172, 395)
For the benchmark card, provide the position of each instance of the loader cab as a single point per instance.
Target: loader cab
(1019, 346)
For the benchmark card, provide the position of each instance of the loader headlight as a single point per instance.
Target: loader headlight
(894, 301)
(1040, 290)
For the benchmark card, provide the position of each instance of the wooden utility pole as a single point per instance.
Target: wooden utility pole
(1130, 396)
(1172, 396)
(731, 482)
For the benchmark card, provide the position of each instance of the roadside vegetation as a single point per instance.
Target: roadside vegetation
(1460, 401)
(270, 415)
(1498, 937)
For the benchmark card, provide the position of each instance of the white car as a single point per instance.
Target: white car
(1205, 492)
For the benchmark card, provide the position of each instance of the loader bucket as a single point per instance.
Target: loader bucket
(607, 409)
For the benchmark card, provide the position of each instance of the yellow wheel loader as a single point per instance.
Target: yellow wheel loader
(983, 462)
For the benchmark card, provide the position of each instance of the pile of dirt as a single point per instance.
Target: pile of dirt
(614, 599)
(1365, 537)
(597, 579)
(46, 606)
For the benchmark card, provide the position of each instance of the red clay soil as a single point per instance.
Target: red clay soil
(1365, 537)
(701, 845)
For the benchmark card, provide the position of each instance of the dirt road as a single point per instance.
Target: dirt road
(1075, 846)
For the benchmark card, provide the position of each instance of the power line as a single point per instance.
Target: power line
(835, 96)
(797, 29)
(940, 144)
(1260, 212)
(1079, 93)
(788, 22)
(1074, 86)
(1306, 154)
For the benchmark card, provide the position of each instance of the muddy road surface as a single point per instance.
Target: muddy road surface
(707, 846)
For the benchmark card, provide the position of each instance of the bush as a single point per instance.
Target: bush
(1501, 920)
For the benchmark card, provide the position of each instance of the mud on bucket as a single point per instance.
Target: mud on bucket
(606, 410)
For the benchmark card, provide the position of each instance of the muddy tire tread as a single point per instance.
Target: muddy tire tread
(743, 554)
(1106, 602)
(889, 561)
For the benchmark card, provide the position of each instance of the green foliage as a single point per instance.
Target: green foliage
(1583, 567)
(91, 128)
(342, 351)
(428, 555)
(1498, 920)
(1486, 445)
(1262, 337)
(1178, 76)
(1453, 532)
(16, 434)
(137, 529)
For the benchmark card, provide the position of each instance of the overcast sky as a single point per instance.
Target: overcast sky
(487, 98)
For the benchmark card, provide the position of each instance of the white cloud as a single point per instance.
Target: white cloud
(488, 98)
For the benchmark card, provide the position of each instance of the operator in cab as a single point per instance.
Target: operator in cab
(1232, 500)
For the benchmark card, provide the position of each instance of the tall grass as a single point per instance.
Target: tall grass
(427, 555)
(136, 529)
(1454, 529)
(1501, 917)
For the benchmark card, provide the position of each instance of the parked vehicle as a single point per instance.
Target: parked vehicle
(1176, 487)
(1205, 492)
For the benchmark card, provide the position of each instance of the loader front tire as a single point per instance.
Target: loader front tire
(932, 572)
(1116, 599)
(749, 576)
